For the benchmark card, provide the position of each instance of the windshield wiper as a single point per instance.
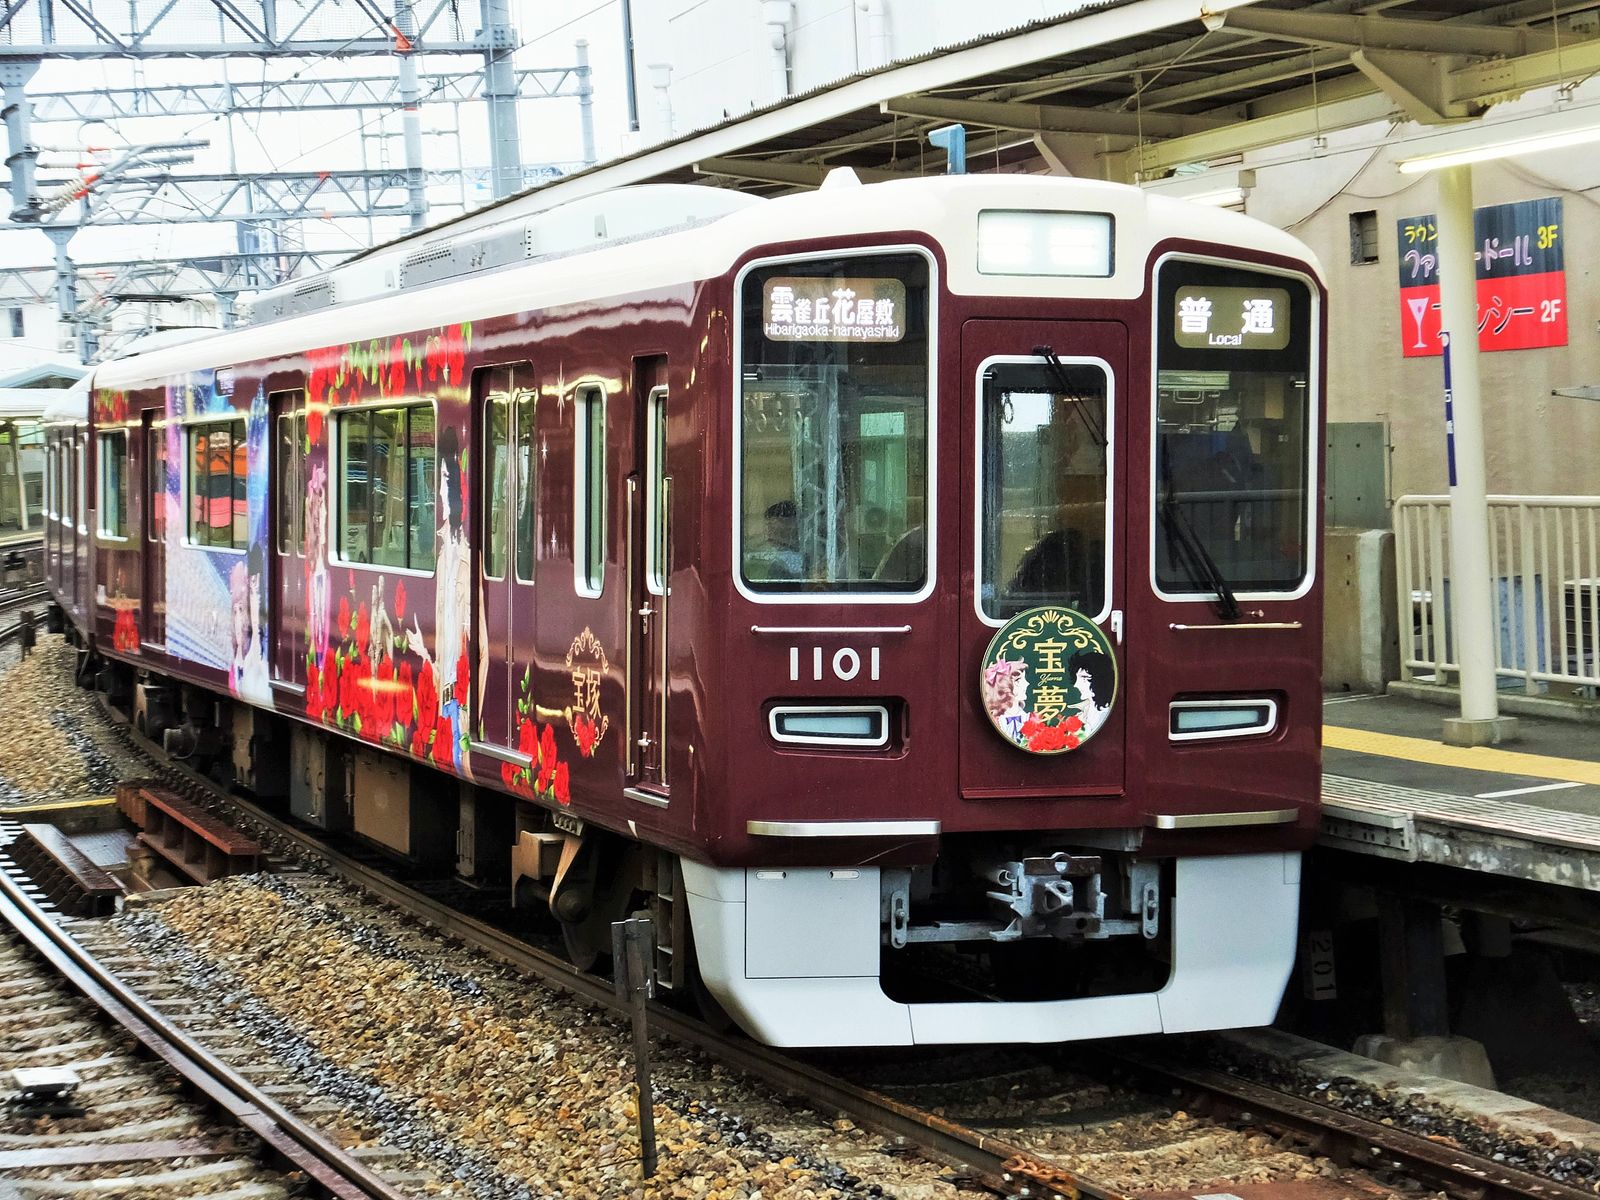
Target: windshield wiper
(1189, 551)
(1064, 384)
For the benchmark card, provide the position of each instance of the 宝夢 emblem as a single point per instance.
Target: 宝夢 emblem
(1049, 679)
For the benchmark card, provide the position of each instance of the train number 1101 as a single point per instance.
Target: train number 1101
(844, 664)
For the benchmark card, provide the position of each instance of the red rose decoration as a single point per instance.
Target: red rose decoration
(528, 739)
(508, 774)
(563, 796)
(547, 757)
(344, 616)
(587, 733)
(363, 626)
(400, 601)
(349, 682)
(383, 696)
(416, 743)
(427, 701)
(444, 744)
(314, 424)
(463, 679)
(1073, 723)
(405, 696)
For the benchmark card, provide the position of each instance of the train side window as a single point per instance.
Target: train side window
(527, 467)
(156, 484)
(387, 500)
(497, 455)
(589, 491)
(112, 501)
(290, 467)
(655, 472)
(80, 457)
(218, 491)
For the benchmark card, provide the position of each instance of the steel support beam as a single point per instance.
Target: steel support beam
(500, 93)
(21, 153)
(1049, 118)
(1382, 33)
(766, 170)
(291, 95)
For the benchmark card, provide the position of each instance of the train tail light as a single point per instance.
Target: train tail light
(857, 726)
(1207, 720)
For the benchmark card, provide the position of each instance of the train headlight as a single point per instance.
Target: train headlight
(1020, 242)
(1205, 720)
(854, 726)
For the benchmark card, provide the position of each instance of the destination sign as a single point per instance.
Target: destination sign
(800, 309)
(1231, 318)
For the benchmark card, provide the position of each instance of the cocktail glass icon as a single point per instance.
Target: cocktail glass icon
(1419, 310)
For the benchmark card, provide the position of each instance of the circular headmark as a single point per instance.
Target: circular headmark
(1048, 679)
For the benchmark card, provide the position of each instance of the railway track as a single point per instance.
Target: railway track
(62, 1008)
(1007, 1164)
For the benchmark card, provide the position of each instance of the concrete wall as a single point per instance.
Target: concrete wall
(1361, 645)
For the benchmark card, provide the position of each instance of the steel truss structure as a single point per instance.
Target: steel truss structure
(139, 186)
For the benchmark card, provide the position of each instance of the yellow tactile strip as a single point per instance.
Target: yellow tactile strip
(1474, 758)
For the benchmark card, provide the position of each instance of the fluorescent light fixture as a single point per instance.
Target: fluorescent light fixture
(1529, 135)
(1022, 242)
(1221, 198)
(1216, 189)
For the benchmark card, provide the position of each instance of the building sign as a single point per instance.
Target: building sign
(804, 309)
(1048, 680)
(1231, 318)
(1522, 281)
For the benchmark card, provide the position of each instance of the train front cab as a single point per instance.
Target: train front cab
(66, 502)
(986, 455)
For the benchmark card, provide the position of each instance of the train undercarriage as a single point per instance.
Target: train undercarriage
(1003, 939)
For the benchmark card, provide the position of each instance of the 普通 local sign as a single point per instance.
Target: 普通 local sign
(1522, 280)
(1231, 318)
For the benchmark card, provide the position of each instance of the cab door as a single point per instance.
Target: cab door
(287, 586)
(1043, 464)
(649, 523)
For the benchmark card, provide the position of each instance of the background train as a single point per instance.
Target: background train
(907, 593)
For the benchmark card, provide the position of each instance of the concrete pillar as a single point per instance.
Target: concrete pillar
(500, 94)
(405, 25)
(585, 100)
(1480, 723)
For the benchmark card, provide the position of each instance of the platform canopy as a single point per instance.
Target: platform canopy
(1130, 90)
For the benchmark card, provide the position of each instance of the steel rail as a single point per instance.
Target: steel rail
(1002, 1166)
(291, 1141)
(1345, 1137)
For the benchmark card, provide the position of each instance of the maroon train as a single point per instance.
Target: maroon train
(907, 592)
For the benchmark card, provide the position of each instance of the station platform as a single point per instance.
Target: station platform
(1528, 812)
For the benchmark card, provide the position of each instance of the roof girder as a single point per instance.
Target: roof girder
(1383, 33)
(1048, 118)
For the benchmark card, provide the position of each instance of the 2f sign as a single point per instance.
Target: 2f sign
(844, 664)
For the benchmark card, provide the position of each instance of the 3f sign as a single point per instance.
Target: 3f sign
(845, 664)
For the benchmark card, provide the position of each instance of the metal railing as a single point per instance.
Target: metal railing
(1545, 573)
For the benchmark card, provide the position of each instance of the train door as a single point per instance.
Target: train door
(157, 511)
(503, 632)
(1042, 467)
(286, 589)
(649, 511)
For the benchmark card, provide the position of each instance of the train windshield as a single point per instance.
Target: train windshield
(1233, 420)
(834, 414)
(1043, 524)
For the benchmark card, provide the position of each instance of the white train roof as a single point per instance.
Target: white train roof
(699, 247)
